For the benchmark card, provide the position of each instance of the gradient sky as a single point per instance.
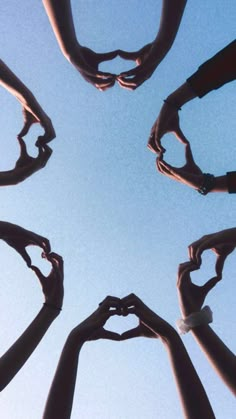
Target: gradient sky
(120, 226)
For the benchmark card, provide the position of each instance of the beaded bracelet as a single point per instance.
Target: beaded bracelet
(208, 184)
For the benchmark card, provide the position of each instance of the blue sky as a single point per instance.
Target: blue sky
(120, 226)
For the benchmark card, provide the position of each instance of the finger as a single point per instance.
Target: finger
(39, 274)
(188, 155)
(195, 252)
(107, 334)
(210, 284)
(132, 333)
(106, 56)
(24, 255)
(129, 301)
(180, 135)
(56, 261)
(220, 261)
(111, 304)
(155, 144)
(23, 149)
(126, 84)
(25, 129)
(129, 55)
(184, 270)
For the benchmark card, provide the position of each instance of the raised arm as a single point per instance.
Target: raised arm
(191, 298)
(192, 395)
(60, 398)
(211, 75)
(84, 59)
(150, 56)
(17, 355)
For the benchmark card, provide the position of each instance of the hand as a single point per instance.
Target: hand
(87, 62)
(191, 296)
(32, 115)
(150, 324)
(92, 328)
(190, 174)
(167, 121)
(52, 285)
(147, 60)
(37, 163)
(19, 238)
(222, 243)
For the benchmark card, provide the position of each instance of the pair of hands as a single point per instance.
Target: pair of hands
(87, 62)
(150, 324)
(26, 165)
(19, 238)
(168, 122)
(191, 296)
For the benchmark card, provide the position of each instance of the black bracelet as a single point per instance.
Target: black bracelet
(176, 107)
(231, 182)
(52, 306)
(208, 184)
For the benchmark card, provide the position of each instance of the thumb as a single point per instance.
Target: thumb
(210, 284)
(106, 56)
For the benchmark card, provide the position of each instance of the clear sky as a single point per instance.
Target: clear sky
(120, 226)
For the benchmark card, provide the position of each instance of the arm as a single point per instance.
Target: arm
(16, 356)
(193, 397)
(191, 298)
(60, 398)
(84, 59)
(211, 75)
(32, 110)
(149, 57)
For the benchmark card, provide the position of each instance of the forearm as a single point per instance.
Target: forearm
(61, 20)
(172, 12)
(219, 355)
(16, 356)
(215, 72)
(193, 397)
(13, 177)
(60, 399)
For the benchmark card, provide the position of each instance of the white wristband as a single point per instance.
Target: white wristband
(204, 316)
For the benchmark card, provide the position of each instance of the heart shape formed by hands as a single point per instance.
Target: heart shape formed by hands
(150, 324)
(87, 62)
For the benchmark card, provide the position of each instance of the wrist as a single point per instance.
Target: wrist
(51, 309)
(182, 95)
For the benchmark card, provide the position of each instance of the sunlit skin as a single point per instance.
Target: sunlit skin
(53, 291)
(193, 398)
(87, 61)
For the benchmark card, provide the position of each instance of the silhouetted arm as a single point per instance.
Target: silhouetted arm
(84, 59)
(150, 56)
(211, 75)
(32, 111)
(60, 398)
(194, 401)
(16, 356)
(191, 298)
